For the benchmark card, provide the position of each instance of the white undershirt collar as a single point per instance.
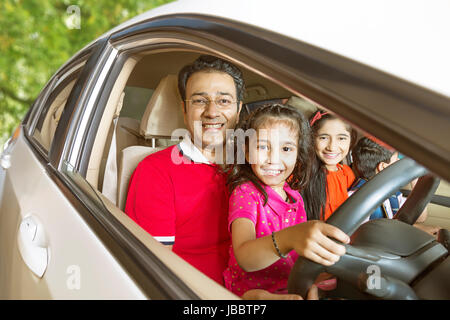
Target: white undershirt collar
(191, 151)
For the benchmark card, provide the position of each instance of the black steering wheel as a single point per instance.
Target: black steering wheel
(383, 243)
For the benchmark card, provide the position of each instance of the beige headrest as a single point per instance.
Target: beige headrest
(164, 112)
(306, 107)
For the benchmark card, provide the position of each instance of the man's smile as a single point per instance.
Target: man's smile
(212, 125)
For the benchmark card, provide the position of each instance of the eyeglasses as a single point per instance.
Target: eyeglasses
(220, 101)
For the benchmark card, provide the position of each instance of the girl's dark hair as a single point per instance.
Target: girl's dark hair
(315, 193)
(242, 173)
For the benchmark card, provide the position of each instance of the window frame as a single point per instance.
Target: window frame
(58, 82)
(58, 86)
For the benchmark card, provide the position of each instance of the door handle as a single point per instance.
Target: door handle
(32, 245)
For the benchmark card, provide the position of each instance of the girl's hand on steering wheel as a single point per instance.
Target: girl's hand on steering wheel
(312, 240)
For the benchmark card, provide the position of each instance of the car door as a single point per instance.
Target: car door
(48, 250)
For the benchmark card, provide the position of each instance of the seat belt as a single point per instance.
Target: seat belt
(110, 176)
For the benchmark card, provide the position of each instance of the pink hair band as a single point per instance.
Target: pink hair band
(317, 116)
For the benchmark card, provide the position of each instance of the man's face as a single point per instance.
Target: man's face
(210, 108)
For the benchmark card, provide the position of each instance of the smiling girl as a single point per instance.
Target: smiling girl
(331, 179)
(267, 218)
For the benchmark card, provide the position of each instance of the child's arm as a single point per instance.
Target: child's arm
(252, 254)
(309, 239)
(423, 216)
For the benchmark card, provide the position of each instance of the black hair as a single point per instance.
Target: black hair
(315, 193)
(367, 154)
(242, 173)
(207, 63)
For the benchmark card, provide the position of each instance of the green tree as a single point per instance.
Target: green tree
(38, 36)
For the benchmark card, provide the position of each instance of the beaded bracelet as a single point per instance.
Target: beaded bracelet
(276, 247)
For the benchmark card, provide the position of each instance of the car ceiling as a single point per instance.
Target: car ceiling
(153, 67)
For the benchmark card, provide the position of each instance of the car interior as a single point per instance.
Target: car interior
(45, 130)
(46, 127)
(147, 113)
(144, 110)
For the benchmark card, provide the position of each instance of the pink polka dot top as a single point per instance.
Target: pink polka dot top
(246, 201)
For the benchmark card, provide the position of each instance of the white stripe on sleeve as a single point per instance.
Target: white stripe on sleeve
(166, 240)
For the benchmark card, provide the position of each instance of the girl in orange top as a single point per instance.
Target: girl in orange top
(327, 190)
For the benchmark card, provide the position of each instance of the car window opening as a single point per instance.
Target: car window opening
(148, 110)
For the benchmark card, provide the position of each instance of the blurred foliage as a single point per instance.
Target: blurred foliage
(38, 36)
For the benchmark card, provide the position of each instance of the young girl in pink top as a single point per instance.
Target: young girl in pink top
(267, 219)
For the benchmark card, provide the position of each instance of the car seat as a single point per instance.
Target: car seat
(161, 118)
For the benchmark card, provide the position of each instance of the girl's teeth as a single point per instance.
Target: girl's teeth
(273, 171)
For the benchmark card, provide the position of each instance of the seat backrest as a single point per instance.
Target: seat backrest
(109, 159)
(307, 108)
(161, 118)
(127, 133)
(129, 159)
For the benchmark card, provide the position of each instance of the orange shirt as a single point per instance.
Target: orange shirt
(338, 182)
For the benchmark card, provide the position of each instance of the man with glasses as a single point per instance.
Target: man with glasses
(184, 205)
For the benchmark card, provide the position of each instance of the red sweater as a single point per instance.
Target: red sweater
(184, 204)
